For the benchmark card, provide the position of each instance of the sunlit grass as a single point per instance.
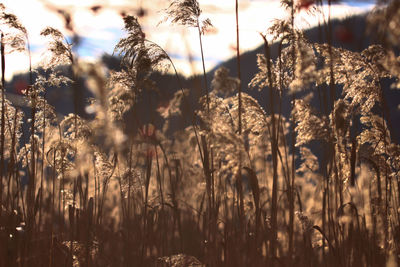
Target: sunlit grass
(233, 183)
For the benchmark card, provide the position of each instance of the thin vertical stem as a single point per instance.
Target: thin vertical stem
(238, 66)
(32, 177)
(3, 68)
(293, 173)
(239, 184)
(42, 167)
(274, 148)
(204, 69)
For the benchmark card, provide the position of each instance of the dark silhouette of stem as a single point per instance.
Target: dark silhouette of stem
(274, 148)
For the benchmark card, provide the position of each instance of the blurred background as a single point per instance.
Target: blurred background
(95, 27)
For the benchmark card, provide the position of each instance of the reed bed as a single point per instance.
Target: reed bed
(239, 184)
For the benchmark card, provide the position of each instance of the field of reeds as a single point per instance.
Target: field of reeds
(233, 183)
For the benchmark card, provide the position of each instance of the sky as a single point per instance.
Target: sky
(100, 26)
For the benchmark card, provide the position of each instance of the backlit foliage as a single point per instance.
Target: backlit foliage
(115, 187)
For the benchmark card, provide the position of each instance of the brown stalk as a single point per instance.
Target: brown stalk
(238, 66)
(204, 67)
(274, 148)
(293, 174)
(11, 164)
(2, 135)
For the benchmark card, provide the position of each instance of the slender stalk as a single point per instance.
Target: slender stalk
(207, 155)
(2, 135)
(274, 148)
(42, 167)
(293, 137)
(32, 176)
(239, 181)
(238, 66)
(204, 68)
(12, 163)
(53, 209)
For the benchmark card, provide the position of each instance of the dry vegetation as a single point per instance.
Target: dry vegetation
(240, 186)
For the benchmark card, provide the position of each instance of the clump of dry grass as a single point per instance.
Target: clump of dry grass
(241, 186)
